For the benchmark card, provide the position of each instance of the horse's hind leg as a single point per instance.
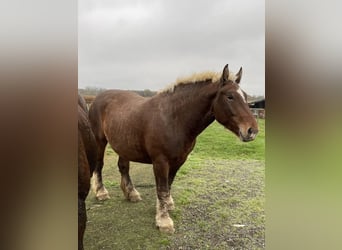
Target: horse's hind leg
(127, 186)
(99, 189)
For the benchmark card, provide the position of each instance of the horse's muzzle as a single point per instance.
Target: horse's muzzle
(249, 135)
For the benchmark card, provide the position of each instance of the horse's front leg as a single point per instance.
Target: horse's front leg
(161, 173)
(172, 173)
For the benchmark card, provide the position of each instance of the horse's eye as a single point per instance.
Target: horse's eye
(230, 97)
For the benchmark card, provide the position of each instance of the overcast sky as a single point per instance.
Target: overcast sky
(148, 44)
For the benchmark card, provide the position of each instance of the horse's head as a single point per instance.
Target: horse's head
(231, 109)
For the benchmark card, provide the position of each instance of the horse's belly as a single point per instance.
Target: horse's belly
(131, 152)
(126, 139)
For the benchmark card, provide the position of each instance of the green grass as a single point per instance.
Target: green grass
(221, 185)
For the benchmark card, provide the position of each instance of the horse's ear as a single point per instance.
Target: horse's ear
(238, 76)
(225, 74)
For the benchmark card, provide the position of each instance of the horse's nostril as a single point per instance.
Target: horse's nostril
(250, 131)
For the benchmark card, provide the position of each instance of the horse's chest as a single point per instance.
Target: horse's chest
(178, 153)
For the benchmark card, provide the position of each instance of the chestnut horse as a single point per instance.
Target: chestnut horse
(162, 130)
(87, 156)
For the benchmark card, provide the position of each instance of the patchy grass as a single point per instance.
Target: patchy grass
(218, 193)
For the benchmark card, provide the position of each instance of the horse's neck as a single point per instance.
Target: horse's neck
(194, 109)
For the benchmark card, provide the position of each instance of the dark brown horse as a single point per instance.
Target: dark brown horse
(87, 156)
(162, 130)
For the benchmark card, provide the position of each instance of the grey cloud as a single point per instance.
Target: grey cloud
(150, 44)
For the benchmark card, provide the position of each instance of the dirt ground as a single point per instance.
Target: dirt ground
(219, 205)
(227, 211)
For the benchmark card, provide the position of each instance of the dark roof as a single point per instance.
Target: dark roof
(257, 103)
(252, 100)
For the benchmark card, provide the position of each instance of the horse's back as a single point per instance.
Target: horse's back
(117, 98)
(114, 103)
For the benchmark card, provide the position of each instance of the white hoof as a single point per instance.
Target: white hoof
(165, 225)
(102, 194)
(134, 196)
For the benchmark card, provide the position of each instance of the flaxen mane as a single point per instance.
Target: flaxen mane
(195, 78)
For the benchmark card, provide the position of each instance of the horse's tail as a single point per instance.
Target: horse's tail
(95, 117)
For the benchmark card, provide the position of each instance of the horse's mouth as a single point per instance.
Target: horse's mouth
(247, 138)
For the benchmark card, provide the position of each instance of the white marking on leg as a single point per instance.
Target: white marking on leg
(163, 220)
(170, 203)
(94, 182)
(101, 193)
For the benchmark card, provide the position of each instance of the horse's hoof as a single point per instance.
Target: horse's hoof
(165, 225)
(102, 197)
(134, 196)
(102, 194)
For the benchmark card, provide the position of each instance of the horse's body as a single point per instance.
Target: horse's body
(162, 130)
(87, 156)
